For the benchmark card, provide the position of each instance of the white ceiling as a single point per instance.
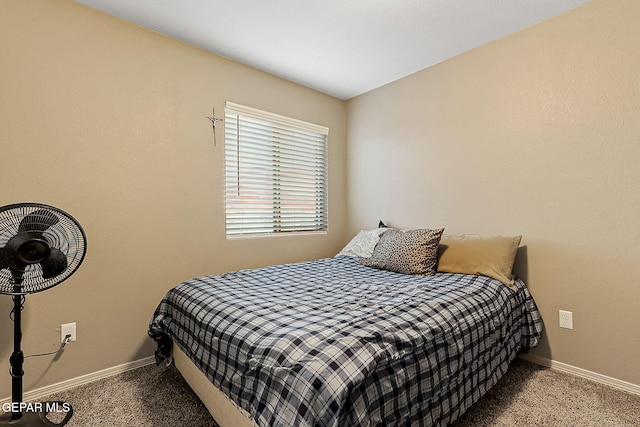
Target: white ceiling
(340, 47)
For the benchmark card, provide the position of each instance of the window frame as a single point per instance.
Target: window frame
(274, 158)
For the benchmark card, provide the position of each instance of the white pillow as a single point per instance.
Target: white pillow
(363, 243)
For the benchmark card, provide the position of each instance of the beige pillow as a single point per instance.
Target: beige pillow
(408, 252)
(491, 256)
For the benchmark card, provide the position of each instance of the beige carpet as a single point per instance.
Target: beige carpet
(532, 395)
(528, 395)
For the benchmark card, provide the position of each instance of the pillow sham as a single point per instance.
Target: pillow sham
(408, 252)
(491, 256)
(363, 243)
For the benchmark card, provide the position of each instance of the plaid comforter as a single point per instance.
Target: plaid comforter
(332, 342)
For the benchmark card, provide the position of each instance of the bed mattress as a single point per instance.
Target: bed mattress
(332, 342)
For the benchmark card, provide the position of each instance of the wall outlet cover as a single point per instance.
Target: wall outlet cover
(566, 319)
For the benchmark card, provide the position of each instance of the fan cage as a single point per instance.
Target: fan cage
(66, 235)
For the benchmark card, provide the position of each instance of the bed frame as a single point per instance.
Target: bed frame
(224, 410)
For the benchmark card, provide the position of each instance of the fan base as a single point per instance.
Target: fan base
(33, 419)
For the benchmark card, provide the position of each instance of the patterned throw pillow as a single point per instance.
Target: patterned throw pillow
(409, 252)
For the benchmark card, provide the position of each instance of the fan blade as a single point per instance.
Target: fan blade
(54, 264)
(4, 258)
(38, 220)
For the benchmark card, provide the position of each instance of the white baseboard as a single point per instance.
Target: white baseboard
(84, 379)
(109, 372)
(583, 373)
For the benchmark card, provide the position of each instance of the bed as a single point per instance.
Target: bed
(334, 342)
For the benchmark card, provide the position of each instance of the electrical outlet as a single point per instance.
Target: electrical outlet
(566, 319)
(68, 329)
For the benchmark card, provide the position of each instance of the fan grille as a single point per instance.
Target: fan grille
(59, 229)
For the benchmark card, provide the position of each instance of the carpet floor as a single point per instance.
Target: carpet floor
(528, 395)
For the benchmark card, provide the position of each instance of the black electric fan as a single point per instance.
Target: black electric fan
(40, 247)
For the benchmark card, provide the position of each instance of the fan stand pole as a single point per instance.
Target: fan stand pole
(17, 358)
(19, 418)
(16, 361)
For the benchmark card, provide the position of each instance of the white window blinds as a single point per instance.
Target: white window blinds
(275, 173)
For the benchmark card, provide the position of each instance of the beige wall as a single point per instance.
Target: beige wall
(106, 120)
(536, 134)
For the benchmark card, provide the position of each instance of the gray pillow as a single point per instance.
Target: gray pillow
(363, 243)
(409, 252)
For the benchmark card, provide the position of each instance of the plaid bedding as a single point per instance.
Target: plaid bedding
(332, 342)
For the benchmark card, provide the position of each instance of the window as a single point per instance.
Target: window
(275, 173)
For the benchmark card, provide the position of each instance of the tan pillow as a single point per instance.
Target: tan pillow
(408, 252)
(490, 256)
